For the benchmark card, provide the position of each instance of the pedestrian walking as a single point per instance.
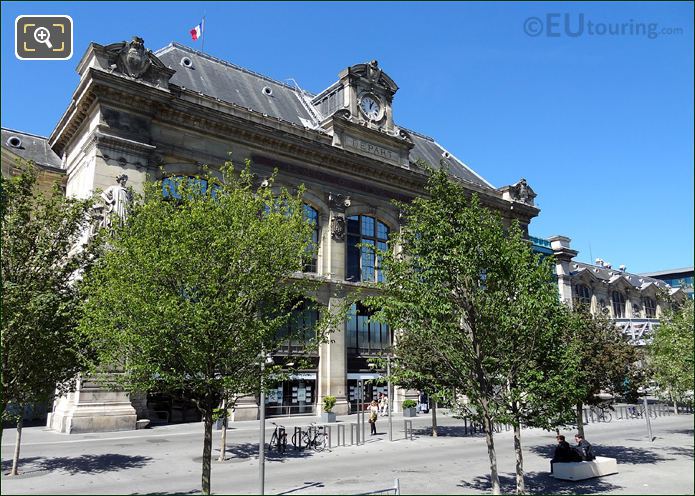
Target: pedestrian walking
(384, 404)
(373, 415)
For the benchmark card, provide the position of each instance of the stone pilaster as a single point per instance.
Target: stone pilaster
(563, 256)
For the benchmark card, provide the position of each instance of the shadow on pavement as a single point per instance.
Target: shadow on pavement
(250, 450)
(306, 485)
(192, 491)
(541, 483)
(88, 464)
(449, 430)
(687, 432)
(93, 464)
(22, 465)
(685, 452)
(624, 454)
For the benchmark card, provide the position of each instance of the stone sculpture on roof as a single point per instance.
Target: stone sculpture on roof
(132, 58)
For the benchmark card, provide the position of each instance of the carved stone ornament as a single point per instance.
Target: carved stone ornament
(522, 192)
(133, 59)
(338, 202)
(373, 72)
(338, 227)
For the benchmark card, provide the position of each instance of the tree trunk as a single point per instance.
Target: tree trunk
(520, 489)
(434, 419)
(494, 476)
(223, 448)
(207, 448)
(580, 419)
(17, 443)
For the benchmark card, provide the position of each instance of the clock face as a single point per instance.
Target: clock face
(371, 107)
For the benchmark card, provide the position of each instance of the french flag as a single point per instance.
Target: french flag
(197, 31)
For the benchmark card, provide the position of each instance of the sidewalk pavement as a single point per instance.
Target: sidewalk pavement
(167, 459)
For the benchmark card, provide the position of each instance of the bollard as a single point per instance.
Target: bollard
(408, 424)
(340, 427)
(354, 433)
(465, 425)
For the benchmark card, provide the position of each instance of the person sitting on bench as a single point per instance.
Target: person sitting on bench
(584, 449)
(563, 453)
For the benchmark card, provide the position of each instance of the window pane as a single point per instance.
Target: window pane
(382, 231)
(353, 224)
(368, 258)
(353, 258)
(367, 226)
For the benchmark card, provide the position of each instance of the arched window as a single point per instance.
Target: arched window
(364, 336)
(311, 260)
(583, 295)
(300, 329)
(171, 185)
(649, 308)
(362, 263)
(618, 300)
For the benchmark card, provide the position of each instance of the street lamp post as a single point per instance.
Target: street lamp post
(261, 440)
(388, 397)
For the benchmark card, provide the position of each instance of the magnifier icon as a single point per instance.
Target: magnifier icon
(43, 35)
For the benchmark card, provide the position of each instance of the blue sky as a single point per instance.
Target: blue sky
(601, 125)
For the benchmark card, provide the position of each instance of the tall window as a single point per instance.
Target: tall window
(365, 337)
(583, 295)
(649, 308)
(311, 260)
(618, 300)
(362, 263)
(171, 185)
(300, 329)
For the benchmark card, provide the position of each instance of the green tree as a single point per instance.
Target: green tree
(671, 352)
(195, 287)
(607, 361)
(473, 296)
(41, 256)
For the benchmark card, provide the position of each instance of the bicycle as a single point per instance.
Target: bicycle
(634, 412)
(278, 440)
(313, 437)
(602, 415)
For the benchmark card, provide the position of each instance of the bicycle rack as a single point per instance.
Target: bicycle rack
(298, 436)
(408, 427)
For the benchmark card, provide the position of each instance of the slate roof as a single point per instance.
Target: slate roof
(612, 275)
(31, 147)
(231, 83)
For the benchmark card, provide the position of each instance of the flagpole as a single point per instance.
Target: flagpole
(203, 37)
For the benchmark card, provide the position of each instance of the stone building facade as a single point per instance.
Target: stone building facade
(635, 302)
(151, 115)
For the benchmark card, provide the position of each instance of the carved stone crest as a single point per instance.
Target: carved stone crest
(338, 227)
(133, 59)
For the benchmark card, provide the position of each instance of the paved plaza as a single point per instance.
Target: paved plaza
(166, 459)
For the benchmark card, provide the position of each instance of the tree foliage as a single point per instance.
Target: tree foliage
(195, 287)
(671, 352)
(41, 257)
(470, 295)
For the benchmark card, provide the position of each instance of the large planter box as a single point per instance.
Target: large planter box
(328, 417)
(410, 412)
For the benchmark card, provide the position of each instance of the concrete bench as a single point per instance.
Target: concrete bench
(575, 471)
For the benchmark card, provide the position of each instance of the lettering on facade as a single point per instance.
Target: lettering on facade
(371, 148)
